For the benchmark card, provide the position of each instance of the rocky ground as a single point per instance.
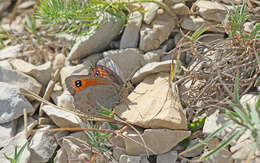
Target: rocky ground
(36, 107)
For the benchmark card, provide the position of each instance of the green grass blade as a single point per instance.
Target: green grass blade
(224, 143)
(257, 105)
(236, 89)
(211, 136)
(19, 154)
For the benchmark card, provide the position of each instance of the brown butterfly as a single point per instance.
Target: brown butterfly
(102, 87)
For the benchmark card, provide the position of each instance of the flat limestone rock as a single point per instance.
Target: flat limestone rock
(12, 103)
(158, 140)
(152, 106)
(98, 38)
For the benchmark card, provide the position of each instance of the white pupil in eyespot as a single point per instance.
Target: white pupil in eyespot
(97, 73)
(78, 83)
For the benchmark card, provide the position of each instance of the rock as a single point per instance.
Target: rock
(11, 52)
(98, 38)
(45, 121)
(31, 123)
(4, 5)
(153, 35)
(158, 140)
(248, 27)
(167, 45)
(65, 39)
(65, 100)
(217, 120)
(151, 11)
(148, 110)
(249, 99)
(19, 79)
(118, 152)
(166, 57)
(61, 156)
(114, 44)
(123, 62)
(180, 9)
(169, 157)
(27, 4)
(192, 23)
(223, 155)
(42, 145)
(58, 62)
(62, 118)
(232, 1)
(12, 103)
(153, 56)
(211, 10)
(9, 150)
(5, 64)
(76, 144)
(133, 159)
(7, 130)
(151, 68)
(41, 73)
(130, 36)
(195, 152)
(212, 37)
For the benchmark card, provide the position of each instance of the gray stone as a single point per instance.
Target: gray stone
(5, 64)
(133, 159)
(221, 156)
(12, 103)
(65, 39)
(27, 4)
(19, 79)
(211, 10)
(7, 130)
(11, 52)
(192, 23)
(42, 145)
(9, 150)
(169, 157)
(58, 62)
(41, 73)
(249, 99)
(98, 38)
(123, 62)
(158, 140)
(195, 152)
(167, 45)
(153, 56)
(4, 4)
(151, 11)
(217, 120)
(151, 105)
(130, 36)
(62, 118)
(152, 36)
(151, 68)
(61, 156)
(76, 144)
(248, 27)
(180, 9)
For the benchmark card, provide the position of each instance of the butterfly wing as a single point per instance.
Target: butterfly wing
(87, 100)
(89, 91)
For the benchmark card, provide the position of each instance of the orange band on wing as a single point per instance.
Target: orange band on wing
(87, 83)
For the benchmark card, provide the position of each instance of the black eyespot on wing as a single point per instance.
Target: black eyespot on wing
(78, 83)
(97, 73)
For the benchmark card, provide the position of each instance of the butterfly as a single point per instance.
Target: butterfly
(101, 86)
